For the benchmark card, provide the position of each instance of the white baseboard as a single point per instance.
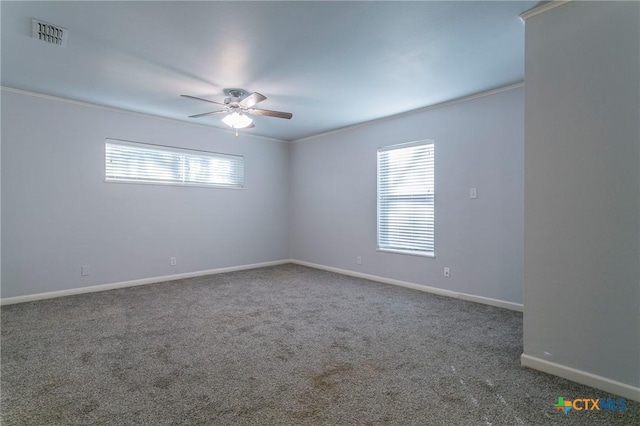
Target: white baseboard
(583, 377)
(442, 292)
(132, 283)
(143, 281)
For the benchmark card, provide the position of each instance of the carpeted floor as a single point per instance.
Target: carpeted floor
(285, 345)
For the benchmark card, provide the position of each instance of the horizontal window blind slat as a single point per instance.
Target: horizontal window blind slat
(406, 201)
(136, 163)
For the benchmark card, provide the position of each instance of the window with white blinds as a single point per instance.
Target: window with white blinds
(406, 198)
(133, 162)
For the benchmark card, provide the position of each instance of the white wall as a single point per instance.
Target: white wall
(478, 143)
(58, 214)
(582, 190)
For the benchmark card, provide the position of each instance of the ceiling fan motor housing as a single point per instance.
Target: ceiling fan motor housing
(235, 95)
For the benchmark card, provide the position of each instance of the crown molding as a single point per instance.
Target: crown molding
(415, 111)
(545, 7)
(126, 111)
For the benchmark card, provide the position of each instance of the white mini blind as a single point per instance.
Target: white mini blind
(406, 198)
(134, 162)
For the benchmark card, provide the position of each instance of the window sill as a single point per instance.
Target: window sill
(193, 185)
(409, 252)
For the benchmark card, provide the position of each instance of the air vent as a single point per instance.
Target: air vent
(48, 33)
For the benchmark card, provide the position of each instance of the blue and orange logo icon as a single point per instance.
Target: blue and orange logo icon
(562, 405)
(590, 404)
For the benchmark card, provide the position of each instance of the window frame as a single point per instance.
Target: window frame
(191, 153)
(429, 193)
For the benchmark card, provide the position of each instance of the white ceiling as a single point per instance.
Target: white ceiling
(332, 64)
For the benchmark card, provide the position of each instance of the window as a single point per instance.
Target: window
(406, 198)
(133, 162)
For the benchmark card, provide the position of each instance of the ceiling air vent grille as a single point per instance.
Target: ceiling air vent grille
(48, 33)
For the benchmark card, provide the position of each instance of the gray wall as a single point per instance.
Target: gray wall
(582, 188)
(478, 143)
(58, 214)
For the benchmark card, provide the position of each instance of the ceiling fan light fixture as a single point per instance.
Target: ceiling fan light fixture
(237, 121)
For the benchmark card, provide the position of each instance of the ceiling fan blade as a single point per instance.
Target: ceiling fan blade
(251, 100)
(204, 114)
(201, 99)
(269, 113)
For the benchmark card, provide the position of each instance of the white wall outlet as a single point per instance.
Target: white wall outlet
(359, 260)
(473, 193)
(447, 271)
(84, 271)
(173, 261)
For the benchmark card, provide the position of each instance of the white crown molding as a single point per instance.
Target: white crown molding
(416, 111)
(330, 132)
(129, 112)
(133, 283)
(583, 377)
(439, 291)
(545, 7)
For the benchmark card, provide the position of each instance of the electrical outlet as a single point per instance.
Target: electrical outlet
(473, 193)
(84, 271)
(447, 272)
(359, 260)
(173, 261)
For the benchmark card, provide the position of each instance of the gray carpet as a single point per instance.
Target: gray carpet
(284, 345)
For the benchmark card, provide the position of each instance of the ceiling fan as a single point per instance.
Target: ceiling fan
(238, 107)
